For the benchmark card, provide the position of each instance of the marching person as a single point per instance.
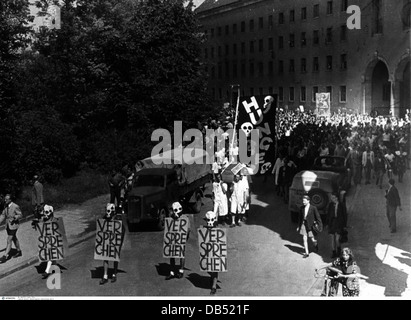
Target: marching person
(337, 221)
(237, 201)
(116, 182)
(393, 201)
(209, 218)
(379, 168)
(307, 217)
(220, 199)
(37, 198)
(368, 163)
(12, 214)
(245, 186)
(176, 212)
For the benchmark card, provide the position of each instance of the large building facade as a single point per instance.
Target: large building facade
(298, 48)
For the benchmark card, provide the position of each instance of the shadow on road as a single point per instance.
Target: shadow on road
(202, 282)
(98, 272)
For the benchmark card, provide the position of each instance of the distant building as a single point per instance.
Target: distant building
(298, 48)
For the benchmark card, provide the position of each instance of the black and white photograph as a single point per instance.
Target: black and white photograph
(205, 150)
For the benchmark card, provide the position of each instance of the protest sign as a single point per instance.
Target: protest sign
(322, 101)
(52, 240)
(108, 240)
(175, 237)
(212, 244)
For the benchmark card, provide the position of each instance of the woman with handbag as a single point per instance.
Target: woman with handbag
(337, 222)
(309, 223)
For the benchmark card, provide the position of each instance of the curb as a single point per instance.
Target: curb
(33, 260)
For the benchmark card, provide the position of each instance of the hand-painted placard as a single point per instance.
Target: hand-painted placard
(108, 240)
(52, 242)
(175, 237)
(212, 244)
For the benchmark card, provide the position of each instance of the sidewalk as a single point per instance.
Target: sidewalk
(79, 222)
(382, 256)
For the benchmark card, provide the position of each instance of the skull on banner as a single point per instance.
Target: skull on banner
(211, 219)
(177, 210)
(247, 127)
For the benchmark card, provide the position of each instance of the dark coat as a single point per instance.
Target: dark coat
(393, 198)
(336, 224)
(313, 215)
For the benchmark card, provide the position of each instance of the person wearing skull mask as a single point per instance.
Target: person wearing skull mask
(176, 212)
(110, 215)
(46, 215)
(211, 222)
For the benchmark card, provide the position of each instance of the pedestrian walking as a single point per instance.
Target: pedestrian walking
(355, 158)
(220, 199)
(368, 163)
(237, 201)
(37, 198)
(245, 186)
(116, 182)
(379, 168)
(211, 223)
(393, 201)
(12, 214)
(307, 217)
(346, 272)
(337, 222)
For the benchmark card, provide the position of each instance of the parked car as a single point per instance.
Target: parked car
(329, 175)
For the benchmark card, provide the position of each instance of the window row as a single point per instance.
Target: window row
(261, 69)
(261, 21)
(302, 92)
(262, 44)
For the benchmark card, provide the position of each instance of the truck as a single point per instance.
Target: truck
(166, 178)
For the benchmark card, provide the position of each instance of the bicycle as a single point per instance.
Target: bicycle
(330, 287)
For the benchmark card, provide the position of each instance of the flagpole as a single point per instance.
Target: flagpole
(236, 115)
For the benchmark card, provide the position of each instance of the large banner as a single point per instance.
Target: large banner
(212, 244)
(323, 103)
(175, 237)
(108, 240)
(258, 112)
(52, 242)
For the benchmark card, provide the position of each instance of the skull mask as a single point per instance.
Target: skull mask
(265, 167)
(211, 219)
(247, 127)
(110, 211)
(268, 100)
(177, 210)
(48, 212)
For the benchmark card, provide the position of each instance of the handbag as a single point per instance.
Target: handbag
(317, 227)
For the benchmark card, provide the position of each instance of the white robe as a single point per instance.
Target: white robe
(220, 199)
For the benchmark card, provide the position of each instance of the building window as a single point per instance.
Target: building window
(261, 45)
(213, 72)
(291, 67)
(227, 50)
(251, 91)
(406, 15)
(227, 30)
(303, 94)
(220, 93)
(291, 96)
(329, 64)
(251, 69)
(292, 15)
(329, 35)
(260, 69)
(270, 44)
(261, 22)
(304, 13)
(291, 40)
(251, 25)
(234, 49)
(270, 21)
(270, 68)
(315, 91)
(316, 37)
(242, 68)
(281, 18)
(280, 42)
(344, 5)
(303, 65)
(343, 32)
(329, 7)
(205, 53)
(212, 52)
(316, 11)
(242, 47)
(212, 32)
(316, 64)
(343, 61)
(252, 46)
(343, 94)
(280, 66)
(242, 26)
(227, 70)
(219, 51)
(386, 92)
(377, 19)
(235, 74)
(219, 31)
(280, 94)
(234, 28)
(329, 89)
(220, 71)
(303, 39)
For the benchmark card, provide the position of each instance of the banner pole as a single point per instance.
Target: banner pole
(235, 119)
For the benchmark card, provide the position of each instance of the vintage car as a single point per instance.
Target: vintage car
(329, 175)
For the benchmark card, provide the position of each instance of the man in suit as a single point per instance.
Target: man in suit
(308, 216)
(12, 214)
(393, 201)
